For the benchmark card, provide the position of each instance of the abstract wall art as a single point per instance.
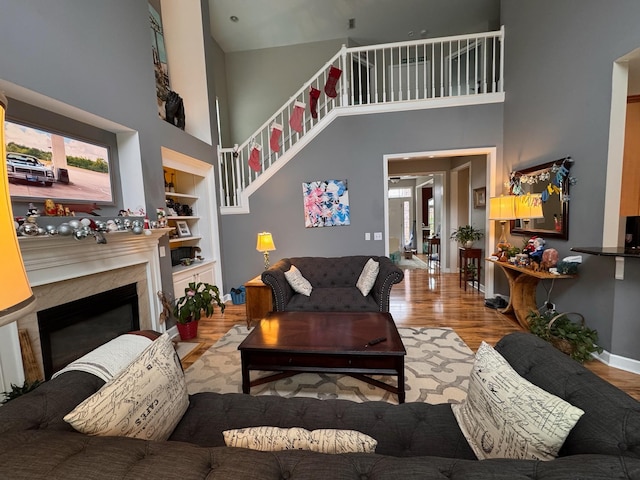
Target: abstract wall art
(326, 203)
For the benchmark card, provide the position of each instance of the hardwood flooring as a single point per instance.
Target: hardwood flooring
(426, 298)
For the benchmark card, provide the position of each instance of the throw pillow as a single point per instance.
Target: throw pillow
(107, 360)
(146, 400)
(368, 277)
(506, 416)
(297, 281)
(272, 439)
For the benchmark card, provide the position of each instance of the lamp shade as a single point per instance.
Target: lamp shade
(502, 208)
(265, 242)
(529, 206)
(16, 297)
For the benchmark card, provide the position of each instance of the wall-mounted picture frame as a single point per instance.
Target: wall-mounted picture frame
(183, 229)
(326, 203)
(480, 197)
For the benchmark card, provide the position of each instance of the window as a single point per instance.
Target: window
(432, 216)
(399, 193)
(406, 223)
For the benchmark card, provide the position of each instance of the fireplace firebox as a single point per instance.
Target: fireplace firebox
(73, 329)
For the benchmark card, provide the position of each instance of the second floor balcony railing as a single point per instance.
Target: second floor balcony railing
(407, 74)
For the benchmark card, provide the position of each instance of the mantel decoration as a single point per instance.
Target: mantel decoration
(66, 224)
(554, 175)
(198, 298)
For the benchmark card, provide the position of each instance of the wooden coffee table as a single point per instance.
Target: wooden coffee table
(324, 342)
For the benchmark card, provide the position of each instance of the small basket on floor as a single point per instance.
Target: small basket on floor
(238, 295)
(562, 344)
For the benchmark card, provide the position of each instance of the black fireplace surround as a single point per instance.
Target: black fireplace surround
(73, 329)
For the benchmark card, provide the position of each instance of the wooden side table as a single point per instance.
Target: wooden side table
(469, 256)
(259, 299)
(433, 248)
(523, 283)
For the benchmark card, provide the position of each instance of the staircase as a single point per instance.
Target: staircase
(420, 74)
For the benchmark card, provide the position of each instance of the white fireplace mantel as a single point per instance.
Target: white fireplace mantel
(55, 259)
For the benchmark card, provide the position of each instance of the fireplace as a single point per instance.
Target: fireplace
(73, 329)
(63, 270)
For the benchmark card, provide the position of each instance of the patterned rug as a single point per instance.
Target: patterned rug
(437, 367)
(411, 263)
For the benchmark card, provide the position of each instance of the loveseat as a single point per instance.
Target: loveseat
(415, 440)
(333, 281)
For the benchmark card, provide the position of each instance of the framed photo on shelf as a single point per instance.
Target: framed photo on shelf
(183, 228)
(480, 197)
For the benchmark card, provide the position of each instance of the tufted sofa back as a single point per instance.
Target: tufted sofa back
(611, 423)
(328, 272)
(333, 280)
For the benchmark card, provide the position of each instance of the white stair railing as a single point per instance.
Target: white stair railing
(415, 71)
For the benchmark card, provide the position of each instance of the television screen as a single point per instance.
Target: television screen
(42, 164)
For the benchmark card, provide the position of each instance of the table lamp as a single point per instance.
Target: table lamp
(265, 245)
(529, 206)
(16, 298)
(502, 209)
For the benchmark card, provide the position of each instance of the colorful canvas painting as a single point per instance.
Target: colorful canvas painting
(326, 203)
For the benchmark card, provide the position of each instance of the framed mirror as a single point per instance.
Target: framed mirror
(555, 209)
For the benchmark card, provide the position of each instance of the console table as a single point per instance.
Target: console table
(522, 289)
(259, 299)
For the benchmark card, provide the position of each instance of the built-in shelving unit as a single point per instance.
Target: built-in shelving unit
(192, 194)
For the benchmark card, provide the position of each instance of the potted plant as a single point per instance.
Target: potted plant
(198, 298)
(466, 235)
(575, 339)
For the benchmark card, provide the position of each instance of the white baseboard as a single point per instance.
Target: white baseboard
(616, 361)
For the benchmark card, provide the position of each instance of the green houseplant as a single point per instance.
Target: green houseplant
(574, 339)
(466, 235)
(198, 298)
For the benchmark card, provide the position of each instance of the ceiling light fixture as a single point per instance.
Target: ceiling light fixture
(234, 19)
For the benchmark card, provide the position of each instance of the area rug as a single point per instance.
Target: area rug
(412, 263)
(437, 367)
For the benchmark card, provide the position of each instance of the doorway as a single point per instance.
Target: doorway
(457, 180)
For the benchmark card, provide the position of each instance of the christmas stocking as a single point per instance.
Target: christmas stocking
(254, 158)
(276, 133)
(314, 94)
(296, 116)
(332, 81)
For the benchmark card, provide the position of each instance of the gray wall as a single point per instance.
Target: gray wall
(558, 64)
(96, 56)
(350, 148)
(259, 82)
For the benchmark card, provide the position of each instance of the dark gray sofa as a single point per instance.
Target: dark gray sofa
(416, 440)
(334, 284)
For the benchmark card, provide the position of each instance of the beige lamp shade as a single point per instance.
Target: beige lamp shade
(529, 206)
(265, 242)
(502, 208)
(16, 298)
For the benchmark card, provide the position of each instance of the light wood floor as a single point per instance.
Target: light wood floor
(425, 298)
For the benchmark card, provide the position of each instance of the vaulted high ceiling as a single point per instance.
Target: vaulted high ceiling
(274, 23)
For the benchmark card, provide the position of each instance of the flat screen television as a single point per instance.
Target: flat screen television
(43, 164)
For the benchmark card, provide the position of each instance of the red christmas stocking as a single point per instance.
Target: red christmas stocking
(254, 158)
(314, 94)
(332, 81)
(276, 133)
(296, 116)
